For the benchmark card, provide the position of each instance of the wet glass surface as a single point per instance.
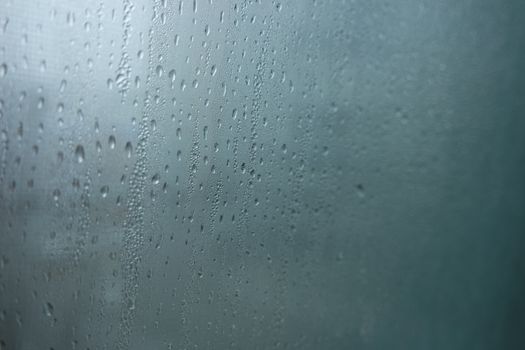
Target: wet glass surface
(262, 175)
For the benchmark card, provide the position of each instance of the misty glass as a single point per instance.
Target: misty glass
(302, 174)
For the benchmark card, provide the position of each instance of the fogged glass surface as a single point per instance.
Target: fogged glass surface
(262, 175)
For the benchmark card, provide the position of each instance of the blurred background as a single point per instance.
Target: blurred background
(198, 174)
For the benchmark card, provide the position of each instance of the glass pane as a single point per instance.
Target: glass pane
(207, 174)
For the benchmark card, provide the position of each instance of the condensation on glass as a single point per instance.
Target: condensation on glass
(204, 174)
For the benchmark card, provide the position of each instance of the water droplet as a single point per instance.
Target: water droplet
(112, 142)
(104, 190)
(172, 75)
(401, 115)
(49, 309)
(20, 131)
(131, 304)
(3, 70)
(79, 153)
(159, 71)
(129, 149)
(120, 79)
(70, 18)
(360, 190)
(155, 179)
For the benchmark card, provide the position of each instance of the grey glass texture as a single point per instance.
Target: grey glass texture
(300, 174)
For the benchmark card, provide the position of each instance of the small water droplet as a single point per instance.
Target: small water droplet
(79, 153)
(63, 85)
(112, 142)
(131, 304)
(172, 75)
(155, 179)
(49, 309)
(3, 70)
(360, 190)
(159, 71)
(120, 79)
(129, 149)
